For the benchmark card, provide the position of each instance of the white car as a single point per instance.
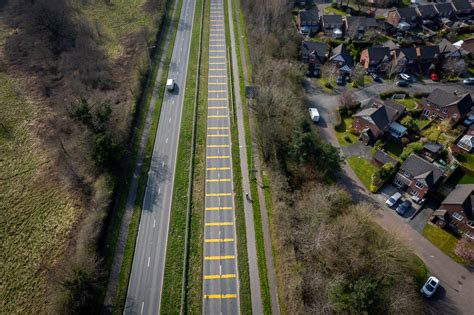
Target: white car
(468, 81)
(430, 286)
(392, 200)
(170, 84)
(406, 77)
(314, 114)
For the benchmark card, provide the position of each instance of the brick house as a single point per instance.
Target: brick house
(341, 58)
(427, 11)
(375, 58)
(445, 10)
(444, 105)
(372, 121)
(417, 176)
(448, 51)
(463, 7)
(314, 53)
(308, 20)
(404, 59)
(458, 209)
(397, 15)
(332, 24)
(428, 58)
(356, 26)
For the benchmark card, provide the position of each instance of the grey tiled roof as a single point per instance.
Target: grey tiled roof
(310, 15)
(341, 50)
(407, 13)
(444, 7)
(320, 49)
(332, 19)
(462, 195)
(421, 169)
(427, 10)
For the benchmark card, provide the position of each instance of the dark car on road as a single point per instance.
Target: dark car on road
(402, 83)
(403, 207)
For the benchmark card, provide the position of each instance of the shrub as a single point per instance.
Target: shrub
(465, 249)
(328, 85)
(408, 122)
(420, 94)
(347, 138)
(405, 141)
(337, 121)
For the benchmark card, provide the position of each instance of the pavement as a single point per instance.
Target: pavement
(146, 279)
(220, 267)
(132, 192)
(455, 294)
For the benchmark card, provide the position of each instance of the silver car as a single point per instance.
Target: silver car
(430, 286)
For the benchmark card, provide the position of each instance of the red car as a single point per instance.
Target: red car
(434, 76)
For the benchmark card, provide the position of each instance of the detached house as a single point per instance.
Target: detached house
(332, 25)
(341, 58)
(427, 11)
(463, 7)
(444, 105)
(457, 209)
(428, 57)
(417, 176)
(404, 59)
(314, 53)
(398, 15)
(373, 121)
(356, 26)
(308, 20)
(445, 10)
(448, 50)
(375, 58)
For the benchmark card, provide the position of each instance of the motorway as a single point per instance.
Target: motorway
(146, 279)
(220, 272)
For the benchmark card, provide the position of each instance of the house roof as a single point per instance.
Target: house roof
(332, 19)
(317, 48)
(391, 44)
(462, 4)
(442, 98)
(445, 46)
(467, 140)
(407, 13)
(310, 15)
(427, 10)
(433, 147)
(408, 53)
(381, 114)
(384, 158)
(463, 195)
(468, 45)
(446, 7)
(421, 169)
(428, 52)
(378, 53)
(342, 51)
(359, 23)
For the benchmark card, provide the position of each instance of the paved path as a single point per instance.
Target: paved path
(132, 192)
(257, 307)
(146, 279)
(220, 267)
(456, 294)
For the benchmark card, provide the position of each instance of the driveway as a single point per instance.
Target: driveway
(357, 149)
(457, 283)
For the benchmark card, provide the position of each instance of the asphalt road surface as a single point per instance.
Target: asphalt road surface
(220, 272)
(146, 280)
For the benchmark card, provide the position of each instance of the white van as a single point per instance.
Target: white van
(314, 114)
(170, 84)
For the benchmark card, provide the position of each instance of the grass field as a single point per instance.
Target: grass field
(363, 169)
(443, 240)
(344, 137)
(466, 159)
(36, 215)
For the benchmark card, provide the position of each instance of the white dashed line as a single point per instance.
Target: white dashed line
(154, 223)
(172, 102)
(166, 140)
(148, 261)
(163, 163)
(169, 120)
(159, 190)
(143, 303)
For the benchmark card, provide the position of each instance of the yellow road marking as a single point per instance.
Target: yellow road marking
(216, 69)
(217, 107)
(218, 180)
(219, 223)
(217, 128)
(217, 99)
(219, 257)
(220, 296)
(219, 195)
(218, 240)
(218, 157)
(226, 276)
(218, 169)
(218, 208)
(217, 76)
(217, 116)
(218, 146)
(217, 63)
(217, 136)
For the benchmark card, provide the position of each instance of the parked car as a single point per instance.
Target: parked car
(429, 288)
(468, 81)
(392, 200)
(469, 120)
(314, 114)
(434, 77)
(406, 77)
(402, 83)
(376, 78)
(340, 80)
(403, 207)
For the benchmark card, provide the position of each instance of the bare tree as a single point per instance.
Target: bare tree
(329, 71)
(347, 100)
(358, 74)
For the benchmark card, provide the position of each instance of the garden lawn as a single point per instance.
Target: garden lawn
(467, 160)
(342, 133)
(393, 148)
(335, 11)
(443, 240)
(363, 169)
(422, 123)
(409, 103)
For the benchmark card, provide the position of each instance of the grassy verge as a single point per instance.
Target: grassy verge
(127, 259)
(193, 300)
(443, 240)
(363, 169)
(260, 246)
(343, 136)
(172, 282)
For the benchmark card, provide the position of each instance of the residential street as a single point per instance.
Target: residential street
(457, 283)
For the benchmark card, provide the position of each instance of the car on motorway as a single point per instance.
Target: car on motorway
(402, 83)
(403, 207)
(393, 199)
(430, 286)
(376, 78)
(468, 81)
(170, 84)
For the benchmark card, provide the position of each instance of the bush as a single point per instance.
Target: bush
(347, 138)
(420, 94)
(328, 85)
(405, 141)
(465, 250)
(337, 121)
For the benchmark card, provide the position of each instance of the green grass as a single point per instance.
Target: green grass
(422, 123)
(393, 148)
(443, 240)
(434, 134)
(342, 133)
(363, 169)
(466, 179)
(409, 103)
(466, 159)
(459, 177)
(322, 83)
(127, 259)
(36, 214)
(330, 9)
(172, 282)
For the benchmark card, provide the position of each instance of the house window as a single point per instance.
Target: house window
(453, 224)
(426, 112)
(457, 216)
(470, 223)
(419, 184)
(398, 183)
(407, 175)
(469, 234)
(455, 115)
(445, 110)
(415, 193)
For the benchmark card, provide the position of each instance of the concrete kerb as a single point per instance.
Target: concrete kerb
(191, 170)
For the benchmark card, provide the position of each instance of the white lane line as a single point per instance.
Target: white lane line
(154, 223)
(148, 261)
(159, 190)
(166, 140)
(143, 303)
(169, 120)
(163, 163)
(172, 102)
